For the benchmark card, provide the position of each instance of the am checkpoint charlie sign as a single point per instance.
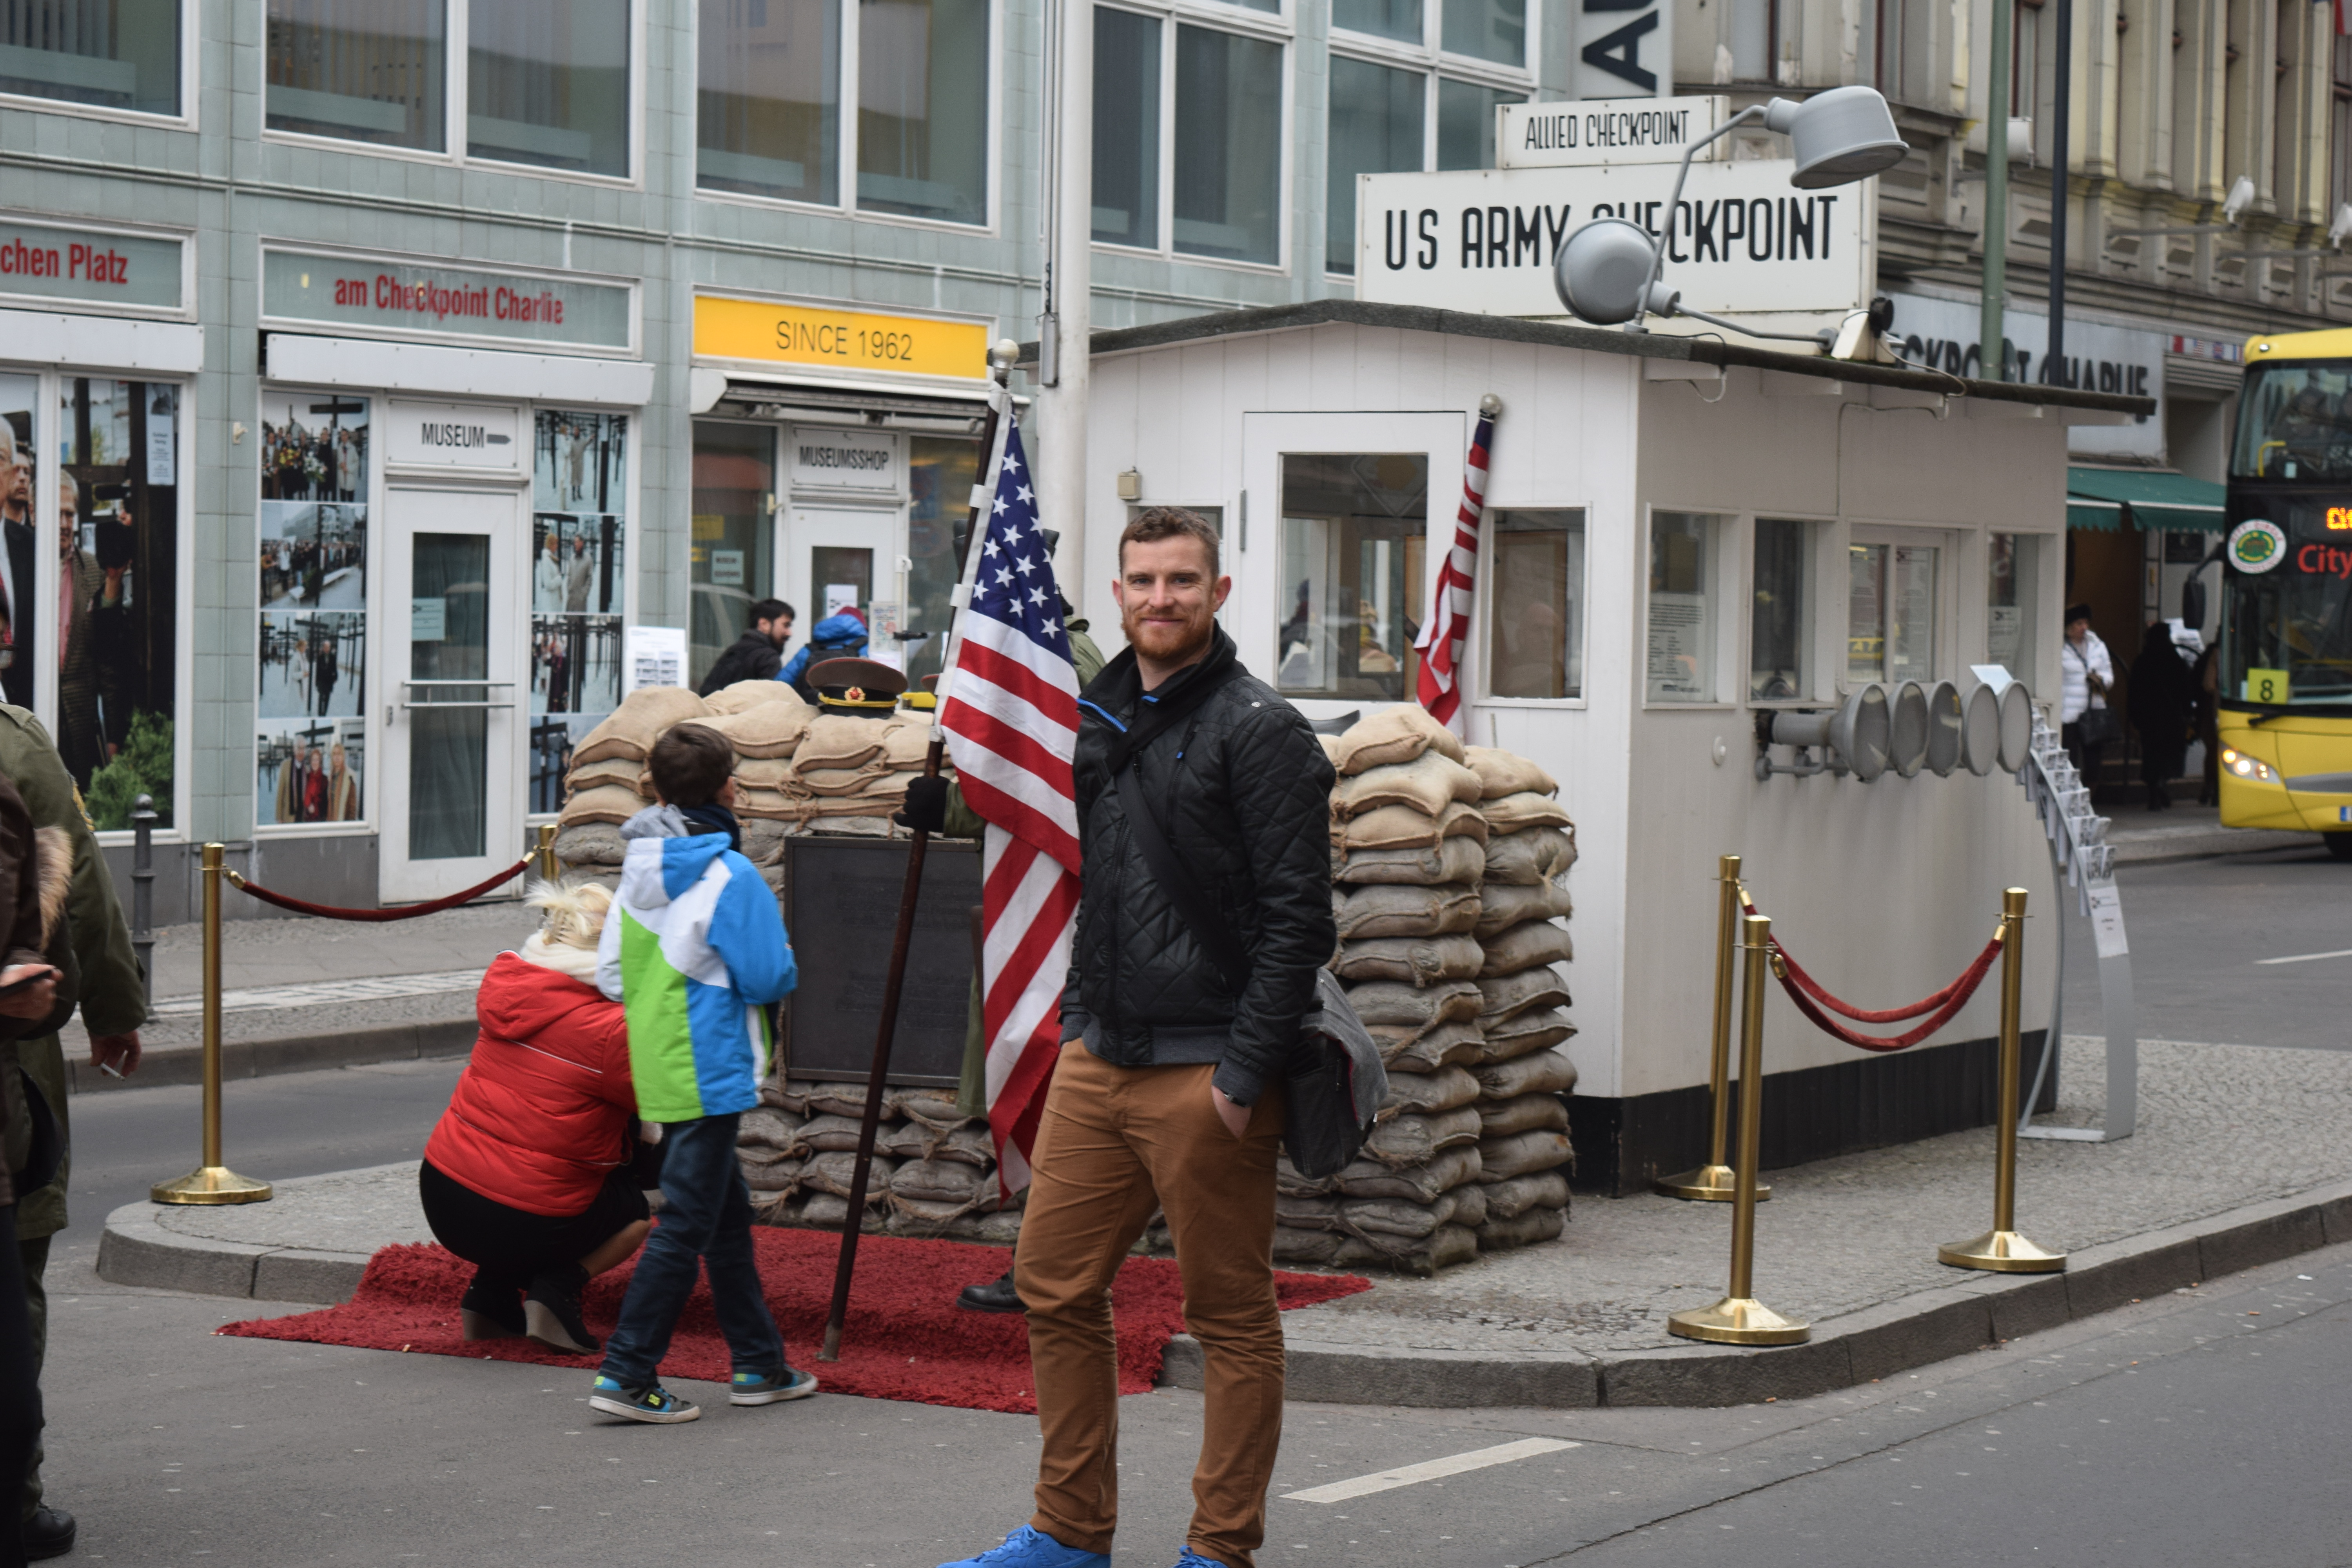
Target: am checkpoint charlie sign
(1742, 240)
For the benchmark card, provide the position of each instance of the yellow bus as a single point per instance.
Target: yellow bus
(2284, 683)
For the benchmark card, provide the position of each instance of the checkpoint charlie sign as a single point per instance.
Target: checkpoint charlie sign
(1611, 130)
(1482, 240)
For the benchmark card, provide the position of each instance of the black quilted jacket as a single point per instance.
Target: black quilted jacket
(1243, 790)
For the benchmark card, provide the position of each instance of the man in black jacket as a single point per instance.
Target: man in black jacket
(758, 654)
(1168, 1091)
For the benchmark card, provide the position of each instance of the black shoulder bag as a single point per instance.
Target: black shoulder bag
(1335, 1084)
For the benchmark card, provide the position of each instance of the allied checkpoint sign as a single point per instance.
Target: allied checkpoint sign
(1606, 131)
(1743, 241)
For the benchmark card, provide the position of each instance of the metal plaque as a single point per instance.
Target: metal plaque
(841, 908)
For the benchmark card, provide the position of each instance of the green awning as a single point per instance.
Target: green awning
(2109, 498)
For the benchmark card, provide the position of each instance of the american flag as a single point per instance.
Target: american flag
(1011, 712)
(1447, 630)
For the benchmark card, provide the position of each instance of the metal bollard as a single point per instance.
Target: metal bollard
(143, 894)
(2000, 1250)
(550, 868)
(1739, 1319)
(212, 1183)
(1714, 1182)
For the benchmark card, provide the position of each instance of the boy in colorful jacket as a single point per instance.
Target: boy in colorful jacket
(693, 951)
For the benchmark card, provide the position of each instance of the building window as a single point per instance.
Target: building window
(1398, 19)
(922, 108)
(311, 754)
(1780, 624)
(367, 71)
(1535, 634)
(731, 560)
(768, 105)
(940, 472)
(2013, 603)
(1228, 146)
(1127, 128)
(1465, 122)
(110, 54)
(1681, 651)
(547, 84)
(579, 585)
(1890, 612)
(1493, 30)
(1376, 127)
(1354, 530)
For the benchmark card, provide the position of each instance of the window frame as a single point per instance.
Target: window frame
(456, 89)
(1480, 677)
(1728, 553)
(1820, 643)
(1948, 544)
(190, 82)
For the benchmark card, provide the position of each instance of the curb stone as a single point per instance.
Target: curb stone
(291, 1053)
(135, 1249)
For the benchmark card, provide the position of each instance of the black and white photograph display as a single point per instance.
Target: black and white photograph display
(575, 664)
(311, 641)
(575, 565)
(578, 585)
(311, 664)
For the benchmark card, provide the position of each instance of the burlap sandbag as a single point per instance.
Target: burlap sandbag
(765, 729)
(626, 772)
(763, 772)
(1295, 1246)
(1457, 859)
(838, 1099)
(1427, 784)
(1331, 749)
(1299, 1212)
(1396, 735)
(1523, 947)
(1402, 827)
(591, 844)
(1522, 1113)
(1288, 1183)
(1426, 1050)
(832, 1173)
(1503, 772)
(1517, 812)
(825, 782)
(746, 694)
(769, 805)
(632, 728)
(1532, 855)
(1412, 1139)
(831, 1133)
(1416, 1006)
(941, 1182)
(934, 1108)
(839, 741)
(1504, 906)
(1544, 1189)
(907, 744)
(1422, 1183)
(1539, 1072)
(1426, 1093)
(1506, 995)
(1522, 1153)
(764, 1171)
(912, 1140)
(1524, 1033)
(1414, 960)
(1375, 1218)
(1525, 1230)
(1443, 1248)
(1390, 909)
(765, 1127)
(608, 803)
(764, 842)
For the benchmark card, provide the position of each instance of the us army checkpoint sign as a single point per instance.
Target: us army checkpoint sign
(1743, 241)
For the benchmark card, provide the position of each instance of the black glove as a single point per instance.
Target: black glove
(926, 810)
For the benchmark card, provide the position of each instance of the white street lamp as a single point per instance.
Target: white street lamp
(1608, 272)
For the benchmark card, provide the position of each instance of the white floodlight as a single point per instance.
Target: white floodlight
(1838, 137)
(2242, 197)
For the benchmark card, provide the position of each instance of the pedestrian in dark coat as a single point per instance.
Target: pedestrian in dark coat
(2163, 705)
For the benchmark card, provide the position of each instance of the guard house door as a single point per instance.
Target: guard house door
(451, 792)
(837, 557)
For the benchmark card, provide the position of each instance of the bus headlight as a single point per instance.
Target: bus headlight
(2246, 767)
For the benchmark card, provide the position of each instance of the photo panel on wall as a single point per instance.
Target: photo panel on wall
(575, 563)
(579, 461)
(575, 664)
(314, 555)
(312, 663)
(314, 446)
(555, 737)
(310, 770)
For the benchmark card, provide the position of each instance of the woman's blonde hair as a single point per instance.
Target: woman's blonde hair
(575, 910)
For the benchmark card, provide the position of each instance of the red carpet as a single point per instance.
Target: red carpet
(906, 1339)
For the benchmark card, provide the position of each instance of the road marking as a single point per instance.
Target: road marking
(1431, 1469)
(325, 992)
(2307, 957)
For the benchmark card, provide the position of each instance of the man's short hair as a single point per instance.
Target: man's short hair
(691, 765)
(1156, 522)
(8, 444)
(771, 610)
(69, 492)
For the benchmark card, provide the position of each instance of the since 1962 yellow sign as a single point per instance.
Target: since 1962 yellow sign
(847, 339)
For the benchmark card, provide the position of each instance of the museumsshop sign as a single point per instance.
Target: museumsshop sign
(1741, 241)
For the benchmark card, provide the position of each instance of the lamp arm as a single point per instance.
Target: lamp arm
(1820, 339)
(1658, 251)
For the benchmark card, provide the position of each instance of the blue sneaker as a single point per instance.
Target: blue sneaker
(653, 1403)
(770, 1387)
(1029, 1547)
(1192, 1559)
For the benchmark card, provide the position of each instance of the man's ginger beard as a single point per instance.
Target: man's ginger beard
(1165, 641)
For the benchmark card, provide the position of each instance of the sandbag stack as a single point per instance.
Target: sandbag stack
(934, 1171)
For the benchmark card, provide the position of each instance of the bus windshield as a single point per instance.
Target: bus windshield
(2287, 632)
(2295, 422)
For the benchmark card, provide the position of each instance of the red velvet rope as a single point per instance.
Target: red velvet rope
(406, 912)
(1957, 995)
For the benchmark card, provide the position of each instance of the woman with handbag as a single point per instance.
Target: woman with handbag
(2086, 678)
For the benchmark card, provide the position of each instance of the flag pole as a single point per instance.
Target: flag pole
(895, 983)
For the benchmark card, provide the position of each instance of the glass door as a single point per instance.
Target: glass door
(844, 560)
(451, 813)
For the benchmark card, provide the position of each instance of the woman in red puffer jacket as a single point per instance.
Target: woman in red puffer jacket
(527, 1174)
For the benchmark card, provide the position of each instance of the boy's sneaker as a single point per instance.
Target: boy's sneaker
(654, 1403)
(551, 1309)
(1029, 1547)
(770, 1387)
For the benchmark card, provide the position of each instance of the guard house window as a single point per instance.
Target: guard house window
(731, 561)
(1189, 140)
(1535, 635)
(1680, 656)
(579, 585)
(922, 108)
(1354, 528)
(367, 71)
(1890, 612)
(110, 54)
(547, 84)
(768, 105)
(1781, 622)
(1127, 128)
(2013, 602)
(311, 762)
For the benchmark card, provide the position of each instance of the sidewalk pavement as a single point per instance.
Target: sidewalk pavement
(2239, 1160)
(2187, 831)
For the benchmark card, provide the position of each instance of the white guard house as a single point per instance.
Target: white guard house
(1680, 536)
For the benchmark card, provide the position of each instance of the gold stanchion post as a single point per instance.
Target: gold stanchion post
(1714, 1182)
(1739, 1319)
(212, 1183)
(2000, 1250)
(550, 868)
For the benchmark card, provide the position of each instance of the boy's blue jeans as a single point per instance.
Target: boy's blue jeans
(707, 1219)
